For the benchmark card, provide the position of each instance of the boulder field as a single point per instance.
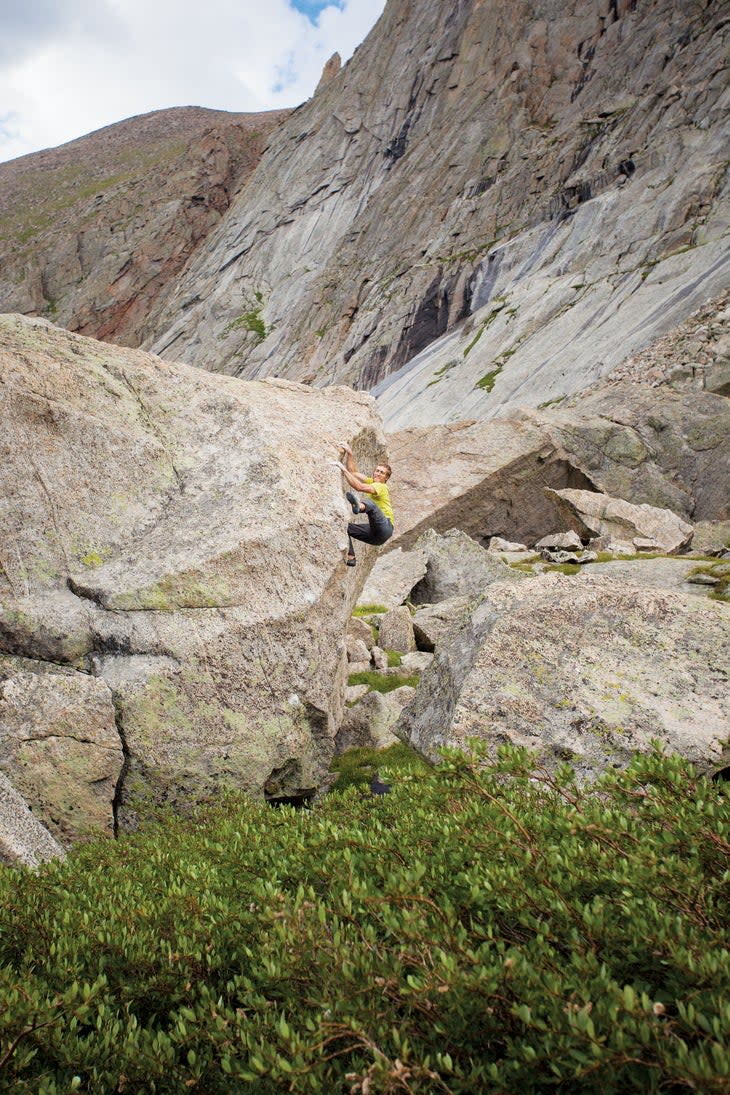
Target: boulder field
(173, 597)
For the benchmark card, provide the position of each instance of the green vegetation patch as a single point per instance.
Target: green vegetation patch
(562, 568)
(551, 402)
(382, 682)
(369, 610)
(252, 320)
(720, 570)
(356, 767)
(486, 383)
(440, 373)
(479, 929)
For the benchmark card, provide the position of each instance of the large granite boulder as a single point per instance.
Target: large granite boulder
(587, 671)
(178, 536)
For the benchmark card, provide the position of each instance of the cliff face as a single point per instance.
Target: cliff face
(94, 233)
(515, 177)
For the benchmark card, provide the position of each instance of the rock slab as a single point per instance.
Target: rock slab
(23, 840)
(583, 671)
(598, 515)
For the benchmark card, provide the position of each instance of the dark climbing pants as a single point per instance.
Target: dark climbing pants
(378, 529)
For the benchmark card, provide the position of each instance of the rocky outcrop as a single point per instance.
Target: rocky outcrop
(330, 70)
(94, 234)
(174, 539)
(522, 197)
(585, 671)
(23, 840)
(654, 446)
(598, 516)
(59, 745)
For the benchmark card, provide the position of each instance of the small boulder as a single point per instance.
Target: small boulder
(355, 692)
(457, 566)
(393, 577)
(357, 628)
(416, 662)
(561, 541)
(497, 544)
(703, 579)
(568, 556)
(396, 631)
(359, 667)
(380, 658)
(433, 623)
(357, 651)
(368, 724)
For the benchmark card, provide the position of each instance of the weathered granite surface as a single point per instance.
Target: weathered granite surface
(587, 670)
(175, 538)
(23, 840)
(59, 745)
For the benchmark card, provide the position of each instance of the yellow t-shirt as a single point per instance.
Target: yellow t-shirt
(381, 497)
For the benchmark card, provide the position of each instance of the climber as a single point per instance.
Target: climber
(378, 508)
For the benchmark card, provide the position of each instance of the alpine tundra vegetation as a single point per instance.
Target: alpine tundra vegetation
(454, 819)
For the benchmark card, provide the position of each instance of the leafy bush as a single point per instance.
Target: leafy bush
(476, 930)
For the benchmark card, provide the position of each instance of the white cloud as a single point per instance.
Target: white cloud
(89, 63)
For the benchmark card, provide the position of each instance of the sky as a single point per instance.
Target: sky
(68, 67)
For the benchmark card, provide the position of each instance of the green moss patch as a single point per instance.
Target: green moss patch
(717, 569)
(487, 382)
(382, 682)
(251, 320)
(369, 610)
(356, 767)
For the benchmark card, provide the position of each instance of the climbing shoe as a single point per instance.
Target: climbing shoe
(353, 500)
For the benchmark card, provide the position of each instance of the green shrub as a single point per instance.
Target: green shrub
(478, 930)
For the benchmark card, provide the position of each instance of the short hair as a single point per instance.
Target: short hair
(388, 469)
